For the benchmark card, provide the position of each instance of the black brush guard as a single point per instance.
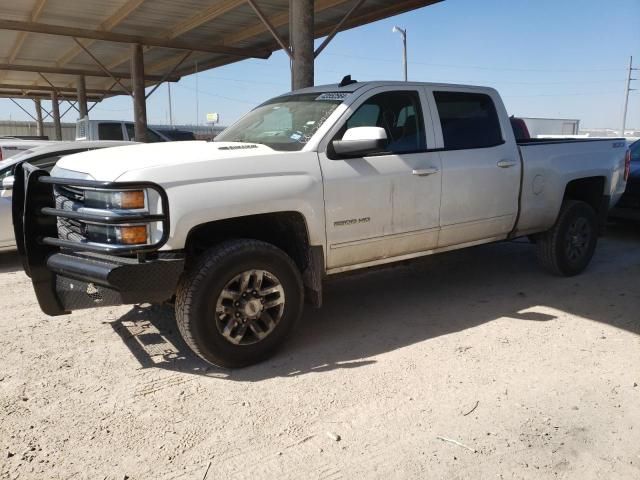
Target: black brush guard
(69, 275)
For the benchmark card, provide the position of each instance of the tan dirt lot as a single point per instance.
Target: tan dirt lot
(396, 359)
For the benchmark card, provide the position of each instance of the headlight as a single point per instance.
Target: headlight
(116, 200)
(117, 234)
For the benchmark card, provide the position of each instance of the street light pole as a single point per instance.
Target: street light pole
(403, 32)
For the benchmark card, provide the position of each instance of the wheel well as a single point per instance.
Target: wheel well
(589, 190)
(286, 230)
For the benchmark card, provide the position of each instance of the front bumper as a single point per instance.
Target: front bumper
(69, 275)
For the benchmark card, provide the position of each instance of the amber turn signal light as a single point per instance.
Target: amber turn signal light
(133, 235)
(132, 199)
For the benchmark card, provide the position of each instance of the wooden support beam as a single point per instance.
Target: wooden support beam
(276, 21)
(39, 121)
(139, 100)
(175, 67)
(55, 109)
(50, 29)
(302, 25)
(78, 71)
(23, 109)
(357, 4)
(102, 67)
(82, 96)
(23, 94)
(271, 28)
(279, 20)
(71, 105)
(47, 88)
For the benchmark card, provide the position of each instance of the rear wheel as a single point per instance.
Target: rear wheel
(568, 247)
(237, 305)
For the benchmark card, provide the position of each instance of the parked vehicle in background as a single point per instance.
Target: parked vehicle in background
(25, 137)
(176, 135)
(629, 205)
(551, 126)
(114, 130)
(312, 183)
(44, 157)
(10, 147)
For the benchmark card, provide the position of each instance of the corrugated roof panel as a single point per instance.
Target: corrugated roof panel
(211, 22)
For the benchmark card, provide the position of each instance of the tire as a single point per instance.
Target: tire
(212, 313)
(568, 247)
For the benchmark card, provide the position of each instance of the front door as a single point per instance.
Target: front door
(385, 205)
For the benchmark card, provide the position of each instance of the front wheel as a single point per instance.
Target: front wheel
(237, 305)
(568, 247)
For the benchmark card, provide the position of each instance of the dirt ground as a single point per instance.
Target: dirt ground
(535, 377)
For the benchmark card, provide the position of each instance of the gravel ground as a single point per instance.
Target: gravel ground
(534, 376)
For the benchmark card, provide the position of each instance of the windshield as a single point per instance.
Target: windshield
(284, 123)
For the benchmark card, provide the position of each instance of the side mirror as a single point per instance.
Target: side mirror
(7, 183)
(361, 141)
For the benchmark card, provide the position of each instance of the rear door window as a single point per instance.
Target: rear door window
(468, 120)
(110, 131)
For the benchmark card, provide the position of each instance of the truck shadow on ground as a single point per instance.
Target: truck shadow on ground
(369, 313)
(10, 262)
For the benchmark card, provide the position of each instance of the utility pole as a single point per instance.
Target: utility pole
(626, 96)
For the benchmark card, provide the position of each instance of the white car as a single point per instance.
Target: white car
(320, 181)
(43, 156)
(10, 147)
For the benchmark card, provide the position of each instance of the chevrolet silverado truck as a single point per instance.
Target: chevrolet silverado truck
(239, 232)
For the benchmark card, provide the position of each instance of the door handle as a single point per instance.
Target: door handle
(506, 164)
(423, 172)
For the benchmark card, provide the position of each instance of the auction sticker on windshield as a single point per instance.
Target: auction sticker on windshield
(332, 96)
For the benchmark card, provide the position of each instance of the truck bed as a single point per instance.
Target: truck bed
(549, 165)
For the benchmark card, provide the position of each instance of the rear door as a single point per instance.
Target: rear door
(480, 166)
(384, 205)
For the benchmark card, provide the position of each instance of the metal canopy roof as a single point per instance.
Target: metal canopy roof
(44, 44)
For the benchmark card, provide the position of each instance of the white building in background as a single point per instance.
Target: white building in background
(551, 126)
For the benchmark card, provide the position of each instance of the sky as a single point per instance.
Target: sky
(547, 58)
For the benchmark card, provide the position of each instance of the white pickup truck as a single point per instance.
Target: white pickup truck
(117, 130)
(240, 231)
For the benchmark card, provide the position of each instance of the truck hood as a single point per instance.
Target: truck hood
(111, 163)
